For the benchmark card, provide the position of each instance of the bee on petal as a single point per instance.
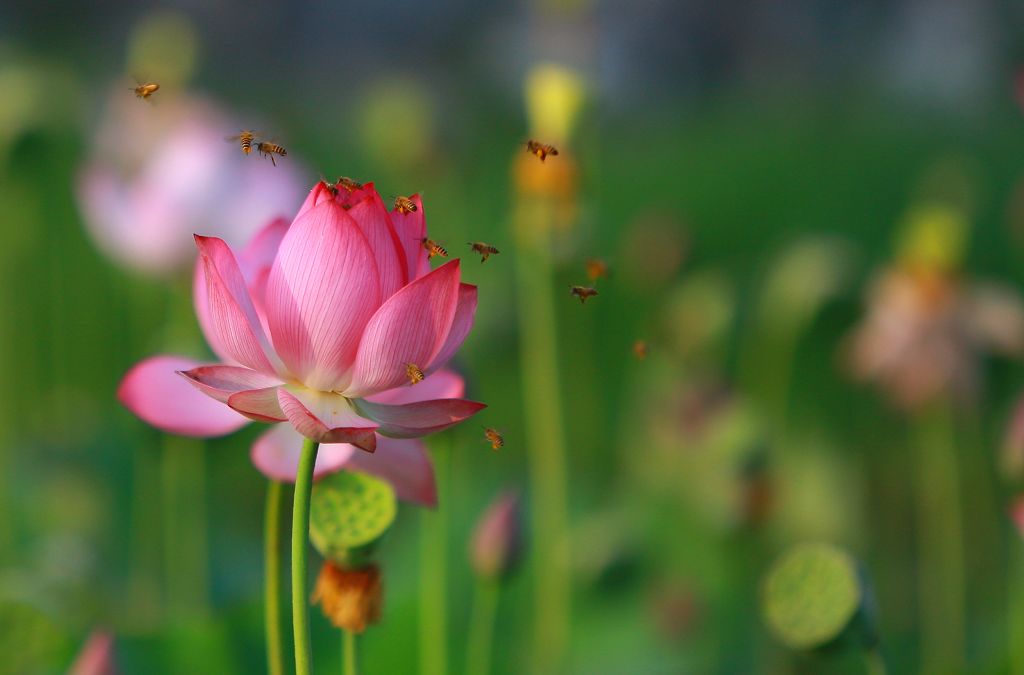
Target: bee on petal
(541, 150)
(404, 205)
(269, 150)
(583, 292)
(494, 437)
(485, 250)
(597, 269)
(352, 186)
(144, 91)
(244, 138)
(413, 372)
(433, 248)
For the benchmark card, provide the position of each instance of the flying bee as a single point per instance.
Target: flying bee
(433, 248)
(583, 292)
(244, 138)
(269, 150)
(144, 91)
(352, 186)
(640, 349)
(493, 437)
(597, 269)
(413, 372)
(541, 150)
(485, 250)
(404, 205)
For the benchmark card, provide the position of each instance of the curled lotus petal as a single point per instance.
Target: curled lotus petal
(326, 417)
(412, 420)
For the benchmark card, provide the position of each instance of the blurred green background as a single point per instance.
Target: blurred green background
(745, 169)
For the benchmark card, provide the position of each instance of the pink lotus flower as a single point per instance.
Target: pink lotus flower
(315, 324)
(160, 171)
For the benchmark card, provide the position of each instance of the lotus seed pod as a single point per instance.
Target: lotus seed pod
(811, 595)
(348, 513)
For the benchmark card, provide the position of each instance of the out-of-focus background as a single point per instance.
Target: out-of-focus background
(813, 217)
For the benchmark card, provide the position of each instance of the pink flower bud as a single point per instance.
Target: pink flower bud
(497, 545)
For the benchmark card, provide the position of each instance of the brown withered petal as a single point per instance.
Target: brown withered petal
(350, 599)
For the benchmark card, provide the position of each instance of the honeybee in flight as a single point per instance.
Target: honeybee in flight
(144, 91)
(404, 205)
(541, 150)
(413, 372)
(640, 349)
(597, 269)
(269, 150)
(433, 248)
(352, 186)
(583, 292)
(485, 250)
(244, 138)
(494, 438)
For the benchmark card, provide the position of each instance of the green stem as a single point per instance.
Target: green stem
(545, 435)
(300, 535)
(875, 662)
(481, 627)
(272, 579)
(350, 653)
(1016, 609)
(433, 578)
(941, 593)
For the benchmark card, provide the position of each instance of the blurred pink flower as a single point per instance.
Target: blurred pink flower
(315, 324)
(161, 170)
(925, 332)
(96, 656)
(497, 545)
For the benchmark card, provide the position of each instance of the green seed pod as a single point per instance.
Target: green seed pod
(811, 595)
(349, 512)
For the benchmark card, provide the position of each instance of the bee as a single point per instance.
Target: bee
(541, 150)
(494, 438)
(146, 90)
(404, 205)
(640, 349)
(352, 186)
(597, 269)
(433, 248)
(244, 138)
(485, 250)
(413, 372)
(269, 150)
(583, 292)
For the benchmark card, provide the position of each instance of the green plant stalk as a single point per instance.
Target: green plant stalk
(940, 555)
(481, 627)
(545, 435)
(300, 537)
(272, 579)
(1016, 606)
(874, 661)
(433, 599)
(350, 653)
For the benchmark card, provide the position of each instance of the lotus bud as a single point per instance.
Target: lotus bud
(497, 545)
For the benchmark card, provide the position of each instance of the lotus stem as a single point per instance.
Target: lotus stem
(941, 593)
(350, 653)
(272, 579)
(481, 627)
(300, 535)
(545, 435)
(433, 576)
